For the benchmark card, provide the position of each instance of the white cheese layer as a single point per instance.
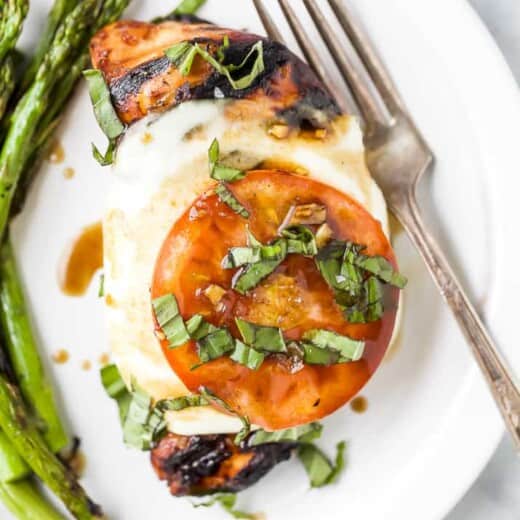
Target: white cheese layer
(161, 167)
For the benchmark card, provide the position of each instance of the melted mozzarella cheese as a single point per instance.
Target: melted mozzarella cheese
(161, 167)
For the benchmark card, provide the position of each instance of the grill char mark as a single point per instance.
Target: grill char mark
(205, 464)
(287, 89)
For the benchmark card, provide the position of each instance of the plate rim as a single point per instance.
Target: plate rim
(504, 82)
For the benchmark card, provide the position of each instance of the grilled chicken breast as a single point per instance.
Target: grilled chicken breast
(143, 80)
(286, 120)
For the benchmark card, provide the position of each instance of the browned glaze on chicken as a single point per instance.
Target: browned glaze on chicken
(142, 79)
(204, 464)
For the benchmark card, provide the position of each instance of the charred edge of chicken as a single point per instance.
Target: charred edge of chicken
(313, 102)
(205, 464)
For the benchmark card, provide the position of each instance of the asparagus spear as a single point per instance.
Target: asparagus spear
(186, 7)
(6, 82)
(13, 14)
(112, 10)
(27, 440)
(12, 466)
(60, 9)
(71, 493)
(17, 156)
(23, 352)
(25, 501)
(69, 41)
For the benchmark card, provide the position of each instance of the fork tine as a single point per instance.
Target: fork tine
(367, 102)
(366, 51)
(270, 27)
(312, 56)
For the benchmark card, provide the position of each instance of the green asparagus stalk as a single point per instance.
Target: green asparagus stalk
(185, 7)
(12, 14)
(23, 352)
(27, 440)
(25, 501)
(69, 41)
(112, 10)
(60, 9)
(7, 82)
(23, 498)
(12, 466)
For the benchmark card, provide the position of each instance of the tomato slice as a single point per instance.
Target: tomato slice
(295, 298)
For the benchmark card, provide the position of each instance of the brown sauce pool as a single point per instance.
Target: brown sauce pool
(359, 404)
(82, 260)
(56, 154)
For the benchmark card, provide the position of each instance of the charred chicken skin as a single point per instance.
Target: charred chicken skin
(143, 81)
(205, 464)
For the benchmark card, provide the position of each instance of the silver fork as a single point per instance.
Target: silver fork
(398, 156)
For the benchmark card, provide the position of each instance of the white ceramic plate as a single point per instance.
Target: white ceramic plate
(430, 426)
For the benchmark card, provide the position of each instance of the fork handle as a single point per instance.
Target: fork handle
(498, 376)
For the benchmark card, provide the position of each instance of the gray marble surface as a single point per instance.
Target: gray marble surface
(496, 494)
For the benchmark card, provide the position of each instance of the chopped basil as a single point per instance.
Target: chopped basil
(257, 68)
(221, 51)
(214, 342)
(112, 381)
(219, 171)
(259, 260)
(169, 319)
(108, 157)
(227, 501)
(339, 462)
(105, 113)
(228, 198)
(102, 103)
(215, 345)
(165, 308)
(183, 54)
(188, 7)
(253, 274)
(247, 356)
(122, 397)
(383, 269)
(349, 349)
(350, 277)
(143, 424)
(300, 240)
(370, 307)
(319, 468)
(226, 173)
(246, 425)
(261, 338)
(239, 256)
(244, 432)
(116, 388)
(198, 327)
(305, 433)
(180, 403)
(178, 54)
(345, 269)
(313, 355)
(329, 261)
(101, 290)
